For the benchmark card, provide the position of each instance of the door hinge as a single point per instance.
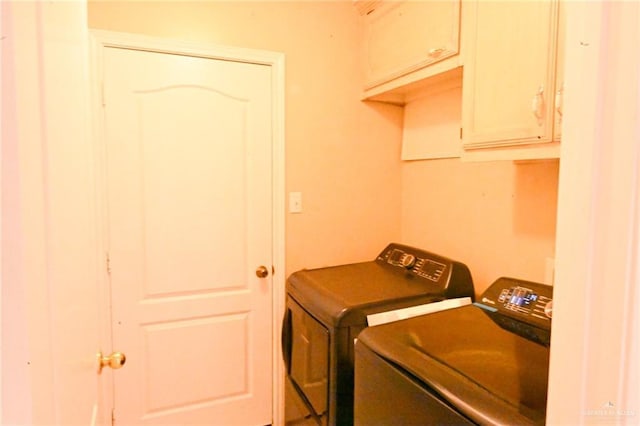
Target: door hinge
(108, 264)
(113, 417)
(102, 94)
(460, 132)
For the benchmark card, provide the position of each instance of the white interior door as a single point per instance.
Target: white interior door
(188, 172)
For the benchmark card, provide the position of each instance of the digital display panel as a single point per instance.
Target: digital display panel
(521, 297)
(395, 257)
(432, 270)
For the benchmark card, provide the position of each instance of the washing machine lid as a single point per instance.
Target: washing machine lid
(488, 373)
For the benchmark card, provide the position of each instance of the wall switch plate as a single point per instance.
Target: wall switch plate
(295, 202)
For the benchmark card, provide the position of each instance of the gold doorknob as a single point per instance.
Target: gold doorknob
(262, 272)
(115, 360)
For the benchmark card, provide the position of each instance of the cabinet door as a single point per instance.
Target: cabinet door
(508, 82)
(403, 36)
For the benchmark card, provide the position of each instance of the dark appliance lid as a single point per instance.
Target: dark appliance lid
(400, 276)
(491, 371)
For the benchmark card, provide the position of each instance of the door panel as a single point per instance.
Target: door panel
(183, 188)
(189, 199)
(166, 344)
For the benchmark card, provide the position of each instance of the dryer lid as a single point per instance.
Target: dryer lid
(400, 276)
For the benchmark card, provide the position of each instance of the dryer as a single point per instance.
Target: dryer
(326, 309)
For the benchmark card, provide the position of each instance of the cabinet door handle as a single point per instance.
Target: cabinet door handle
(435, 52)
(537, 105)
(559, 99)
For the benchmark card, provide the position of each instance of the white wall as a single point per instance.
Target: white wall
(498, 217)
(49, 296)
(20, 195)
(2, 129)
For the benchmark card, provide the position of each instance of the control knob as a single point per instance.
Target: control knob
(548, 309)
(408, 260)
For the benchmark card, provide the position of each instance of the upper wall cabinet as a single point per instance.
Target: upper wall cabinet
(406, 41)
(509, 81)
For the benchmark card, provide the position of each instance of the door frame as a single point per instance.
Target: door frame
(595, 334)
(99, 40)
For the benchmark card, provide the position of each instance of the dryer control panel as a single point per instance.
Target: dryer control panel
(419, 262)
(446, 273)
